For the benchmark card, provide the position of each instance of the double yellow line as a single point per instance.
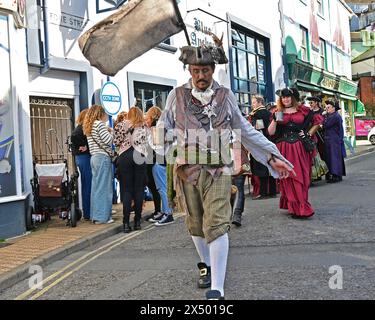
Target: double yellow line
(78, 264)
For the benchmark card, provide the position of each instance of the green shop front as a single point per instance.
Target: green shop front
(311, 80)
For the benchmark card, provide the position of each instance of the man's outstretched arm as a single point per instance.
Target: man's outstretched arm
(258, 145)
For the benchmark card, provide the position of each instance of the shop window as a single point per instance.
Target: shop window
(7, 154)
(150, 94)
(249, 57)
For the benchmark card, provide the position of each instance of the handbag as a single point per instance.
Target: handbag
(113, 155)
(308, 143)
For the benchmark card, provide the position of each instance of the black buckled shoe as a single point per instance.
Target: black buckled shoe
(204, 281)
(214, 295)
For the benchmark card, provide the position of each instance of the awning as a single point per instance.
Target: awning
(309, 87)
(360, 107)
(328, 93)
(344, 96)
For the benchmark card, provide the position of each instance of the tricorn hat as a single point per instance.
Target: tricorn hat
(271, 104)
(204, 55)
(288, 92)
(315, 98)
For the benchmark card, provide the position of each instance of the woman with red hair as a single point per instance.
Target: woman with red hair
(289, 127)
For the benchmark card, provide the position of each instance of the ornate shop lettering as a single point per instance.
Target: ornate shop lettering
(55, 102)
(201, 28)
(329, 83)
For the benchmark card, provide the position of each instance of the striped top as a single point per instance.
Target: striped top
(103, 139)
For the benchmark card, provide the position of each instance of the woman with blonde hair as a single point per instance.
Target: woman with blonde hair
(81, 152)
(151, 117)
(99, 137)
(159, 175)
(131, 137)
(122, 116)
(289, 125)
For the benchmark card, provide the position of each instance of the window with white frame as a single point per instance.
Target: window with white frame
(322, 52)
(320, 7)
(304, 43)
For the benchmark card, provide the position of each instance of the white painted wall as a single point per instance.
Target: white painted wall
(157, 63)
(335, 20)
(364, 67)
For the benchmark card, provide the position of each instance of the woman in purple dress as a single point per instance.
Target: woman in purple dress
(334, 143)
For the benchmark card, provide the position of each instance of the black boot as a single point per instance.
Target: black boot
(204, 281)
(137, 225)
(127, 228)
(237, 219)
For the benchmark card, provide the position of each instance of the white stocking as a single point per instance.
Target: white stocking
(219, 249)
(202, 249)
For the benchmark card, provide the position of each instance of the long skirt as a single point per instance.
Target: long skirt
(319, 168)
(295, 189)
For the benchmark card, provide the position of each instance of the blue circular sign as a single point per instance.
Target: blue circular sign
(110, 98)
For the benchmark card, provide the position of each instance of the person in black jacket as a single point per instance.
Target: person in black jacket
(260, 120)
(81, 152)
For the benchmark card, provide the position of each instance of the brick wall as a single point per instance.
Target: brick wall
(366, 91)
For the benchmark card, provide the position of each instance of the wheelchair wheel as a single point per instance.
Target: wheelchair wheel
(73, 215)
(28, 218)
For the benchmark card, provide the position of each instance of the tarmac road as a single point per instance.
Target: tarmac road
(272, 256)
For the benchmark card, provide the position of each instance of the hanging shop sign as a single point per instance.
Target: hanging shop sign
(18, 9)
(9, 5)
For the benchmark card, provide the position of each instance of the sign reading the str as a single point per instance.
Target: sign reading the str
(110, 97)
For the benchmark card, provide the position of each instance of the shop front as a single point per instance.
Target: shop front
(311, 81)
(13, 100)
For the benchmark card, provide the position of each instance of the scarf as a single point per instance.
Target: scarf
(204, 97)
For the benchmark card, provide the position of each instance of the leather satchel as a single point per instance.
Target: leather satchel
(241, 163)
(50, 187)
(306, 140)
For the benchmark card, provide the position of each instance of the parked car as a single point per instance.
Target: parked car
(371, 136)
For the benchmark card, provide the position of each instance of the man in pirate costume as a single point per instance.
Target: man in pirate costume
(203, 189)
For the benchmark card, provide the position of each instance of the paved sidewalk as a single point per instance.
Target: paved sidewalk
(363, 147)
(51, 241)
